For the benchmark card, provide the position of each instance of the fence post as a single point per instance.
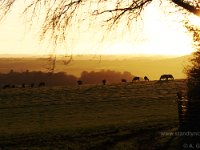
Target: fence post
(182, 111)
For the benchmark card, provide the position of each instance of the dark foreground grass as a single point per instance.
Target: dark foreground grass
(146, 138)
(130, 116)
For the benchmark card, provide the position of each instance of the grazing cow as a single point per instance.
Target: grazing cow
(79, 82)
(6, 86)
(146, 78)
(123, 80)
(41, 84)
(104, 82)
(23, 85)
(136, 79)
(166, 77)
(32, 85)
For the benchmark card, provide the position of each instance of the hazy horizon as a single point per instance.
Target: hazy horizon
(160, 56)
(152, 67)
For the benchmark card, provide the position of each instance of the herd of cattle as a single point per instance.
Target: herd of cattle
(164, 77)
(23, 85)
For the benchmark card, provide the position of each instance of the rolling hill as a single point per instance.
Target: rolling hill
(152, 67)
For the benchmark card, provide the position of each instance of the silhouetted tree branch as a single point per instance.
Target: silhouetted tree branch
(191, 6)
(193, 72)
(58, 15)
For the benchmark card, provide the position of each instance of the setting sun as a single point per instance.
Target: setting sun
(157, 36)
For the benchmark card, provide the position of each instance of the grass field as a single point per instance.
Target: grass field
(121, 116)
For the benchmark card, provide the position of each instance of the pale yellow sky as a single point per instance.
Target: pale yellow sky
(156, 35)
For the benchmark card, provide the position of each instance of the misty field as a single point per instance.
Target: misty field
(120, 116)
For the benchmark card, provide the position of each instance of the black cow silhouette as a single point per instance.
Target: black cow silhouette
(104, 82)
(41, 84)
(166, 77)
(32, 85)
(6, 86)
(79, 82)
(146, 78)
(136, 79)
(23, 85)
(123, 80)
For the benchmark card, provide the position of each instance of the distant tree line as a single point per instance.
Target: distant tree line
(111, 76)
(51, 79)
(61, 78)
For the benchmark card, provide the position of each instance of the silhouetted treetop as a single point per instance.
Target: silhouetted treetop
(51, 79)
(109, 75)
(193, 72)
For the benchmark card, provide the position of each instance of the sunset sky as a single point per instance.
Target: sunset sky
(158, 34)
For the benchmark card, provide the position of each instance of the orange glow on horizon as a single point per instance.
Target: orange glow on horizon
(158, 38)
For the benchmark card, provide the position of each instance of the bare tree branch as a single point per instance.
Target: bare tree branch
(5, 6)
(134, 10)
(193, 7)
(58, 16)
